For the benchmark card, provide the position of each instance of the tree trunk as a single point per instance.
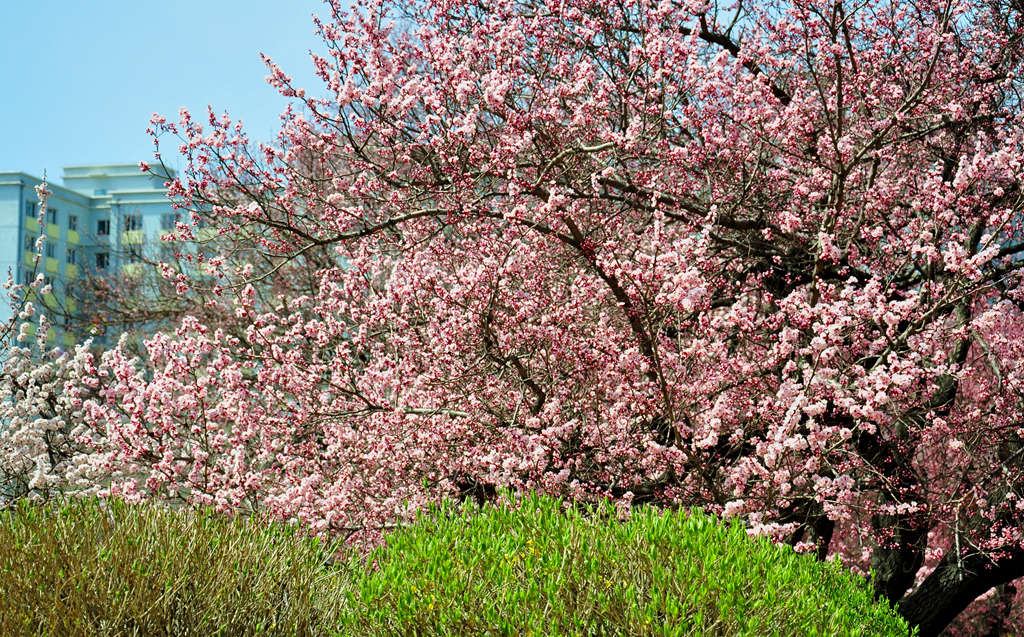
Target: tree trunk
(1000, 611)
(953, 585)
(903, 536)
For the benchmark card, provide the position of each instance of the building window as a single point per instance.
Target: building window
(30, 209)
(103, 227)
(134, 257)
(50, 250)
(132, 222)
(168, 221)
(102, 260)
(72, 222)
(30, 243)
(27, 277)
(51, 215)
(71, 256)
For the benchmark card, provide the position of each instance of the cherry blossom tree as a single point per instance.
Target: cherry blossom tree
(45, 445)
(148, 297)
(761, 257)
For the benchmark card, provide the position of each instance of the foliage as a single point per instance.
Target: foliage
(42, 389)
(534, 568)
(83, 567)
(86, 567)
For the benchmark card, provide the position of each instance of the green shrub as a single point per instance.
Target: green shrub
(79, 568)
(540, 570)
(82, 568)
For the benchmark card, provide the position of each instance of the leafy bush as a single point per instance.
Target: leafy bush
(89, 568)
(86, 568)
(540, 570)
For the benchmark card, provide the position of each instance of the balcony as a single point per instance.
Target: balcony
(53, 231)
(71, 271)
(73, 237)
(52, 266)
(132, 269)
(31, 224)
(133, 237)
(49, 299)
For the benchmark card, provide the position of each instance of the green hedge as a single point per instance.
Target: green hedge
(78, 568)
(83, 568)
(540, 570)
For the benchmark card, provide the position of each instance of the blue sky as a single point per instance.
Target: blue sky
(81, 79)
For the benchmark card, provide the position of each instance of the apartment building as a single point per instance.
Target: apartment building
(102, 219)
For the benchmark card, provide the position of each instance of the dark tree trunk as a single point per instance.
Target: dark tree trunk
(903, 536)
(896, 563)
(1000, 612)
(953, 585)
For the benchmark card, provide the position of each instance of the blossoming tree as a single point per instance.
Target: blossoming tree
(761, 257)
